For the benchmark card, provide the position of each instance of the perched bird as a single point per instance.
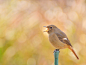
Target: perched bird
(59, 39)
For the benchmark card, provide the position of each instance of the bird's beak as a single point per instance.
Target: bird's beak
(46, 29)
(45, 26)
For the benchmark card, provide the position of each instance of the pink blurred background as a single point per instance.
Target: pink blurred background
(22, 40)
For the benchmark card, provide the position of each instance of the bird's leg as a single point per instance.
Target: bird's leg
(56, 50)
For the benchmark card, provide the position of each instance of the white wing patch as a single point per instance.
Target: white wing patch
(64, 38)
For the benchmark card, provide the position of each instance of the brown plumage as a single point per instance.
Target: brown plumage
(59, 39)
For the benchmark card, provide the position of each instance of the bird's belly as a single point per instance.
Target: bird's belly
(57, 45)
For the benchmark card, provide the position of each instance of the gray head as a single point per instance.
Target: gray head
(50, 28)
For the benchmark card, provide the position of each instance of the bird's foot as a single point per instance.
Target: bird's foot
(56, 50)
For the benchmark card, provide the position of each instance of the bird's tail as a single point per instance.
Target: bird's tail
(73, 52)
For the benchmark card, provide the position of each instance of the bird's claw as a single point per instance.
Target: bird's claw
(56, 50)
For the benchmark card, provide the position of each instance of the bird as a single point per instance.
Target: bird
(59, 39)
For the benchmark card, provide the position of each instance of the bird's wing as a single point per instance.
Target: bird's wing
(63, 39)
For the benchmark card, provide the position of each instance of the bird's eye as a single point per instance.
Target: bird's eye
(51, 27)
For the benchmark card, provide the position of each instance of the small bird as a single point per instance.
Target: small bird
(59, 39)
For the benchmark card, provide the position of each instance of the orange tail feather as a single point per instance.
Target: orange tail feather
(73, 52)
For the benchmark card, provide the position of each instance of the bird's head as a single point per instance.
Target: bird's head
(50, 28)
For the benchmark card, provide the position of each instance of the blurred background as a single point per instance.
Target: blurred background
(22, 40)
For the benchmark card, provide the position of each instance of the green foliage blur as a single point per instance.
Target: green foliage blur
(22, 40)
